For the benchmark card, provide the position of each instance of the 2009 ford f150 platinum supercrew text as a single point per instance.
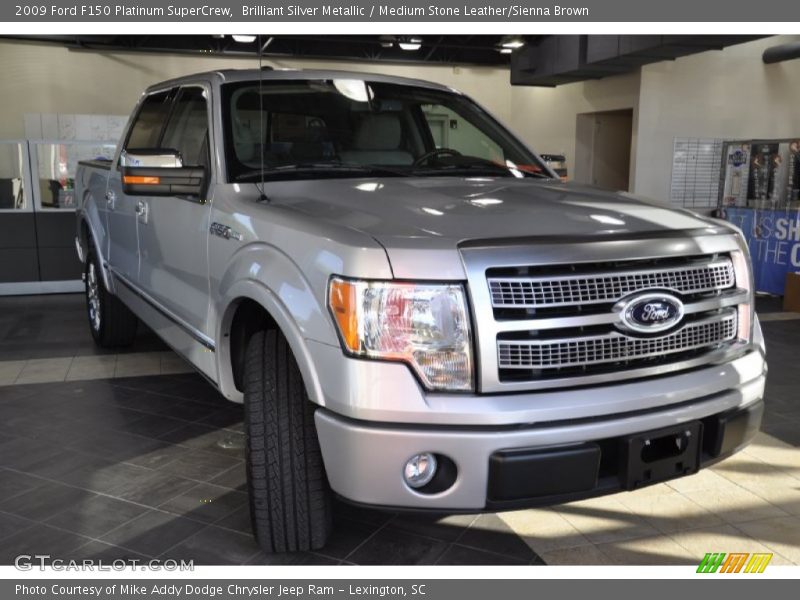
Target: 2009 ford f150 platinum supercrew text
(415, 311)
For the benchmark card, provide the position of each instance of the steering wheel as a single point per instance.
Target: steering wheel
(435, 152)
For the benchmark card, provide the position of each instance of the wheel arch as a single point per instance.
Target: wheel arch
(254, 307)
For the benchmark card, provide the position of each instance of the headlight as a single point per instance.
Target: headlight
(744, 280)
(423, 325)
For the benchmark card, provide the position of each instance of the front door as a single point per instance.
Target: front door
(173, 230)
(123, 250)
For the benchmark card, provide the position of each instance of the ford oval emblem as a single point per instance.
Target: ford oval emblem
(650, 313)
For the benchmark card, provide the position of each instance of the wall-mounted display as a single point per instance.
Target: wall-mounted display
(760, 193)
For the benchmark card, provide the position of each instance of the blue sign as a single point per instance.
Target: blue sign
(774, 240)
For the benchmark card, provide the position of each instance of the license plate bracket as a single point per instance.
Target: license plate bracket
(662, 454)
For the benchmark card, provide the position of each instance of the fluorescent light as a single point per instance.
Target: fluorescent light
(505, 51)
(512, 43)
(432, 211)
(410, 44)
(244, 39)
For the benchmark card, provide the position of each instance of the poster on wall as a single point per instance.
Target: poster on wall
(737, 172)
(761, 174)
(761, 195)
(773, 237)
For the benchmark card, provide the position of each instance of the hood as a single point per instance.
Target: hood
(443, 212)
(421, 221)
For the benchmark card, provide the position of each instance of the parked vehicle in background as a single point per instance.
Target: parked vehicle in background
(412, 325)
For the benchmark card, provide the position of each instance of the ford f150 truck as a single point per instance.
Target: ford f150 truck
(414, 310)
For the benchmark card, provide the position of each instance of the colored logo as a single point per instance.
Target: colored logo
(734, 562)
(738, 158)
(650, 313)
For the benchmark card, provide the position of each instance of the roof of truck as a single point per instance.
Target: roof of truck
(268, 74)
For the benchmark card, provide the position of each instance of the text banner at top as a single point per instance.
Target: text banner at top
(268, 11)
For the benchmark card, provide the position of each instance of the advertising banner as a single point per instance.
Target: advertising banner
(774, 240)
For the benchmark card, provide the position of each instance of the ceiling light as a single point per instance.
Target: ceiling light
(244, 39)
(512, 43)
(410, 44)
(505, 50)
(432, 211)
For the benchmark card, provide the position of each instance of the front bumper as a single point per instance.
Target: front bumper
(364, 459)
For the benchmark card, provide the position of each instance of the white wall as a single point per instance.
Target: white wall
(547, 117)
(42, 78)
(726, 94)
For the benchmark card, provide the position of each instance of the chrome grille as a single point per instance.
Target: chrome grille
(614, 346)
(596, 288)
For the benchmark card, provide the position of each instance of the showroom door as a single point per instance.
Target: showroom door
(603, 149)
(173, 230)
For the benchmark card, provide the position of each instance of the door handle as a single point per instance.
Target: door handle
(111, 199)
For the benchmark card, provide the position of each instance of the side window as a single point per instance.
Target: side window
(187, 129)
(149, 121)
(451, 130)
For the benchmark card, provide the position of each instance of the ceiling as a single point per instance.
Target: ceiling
(537, 60)
(441, 49)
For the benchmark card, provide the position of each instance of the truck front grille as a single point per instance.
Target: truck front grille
(553, 315)
(614, 347)
(569, 289)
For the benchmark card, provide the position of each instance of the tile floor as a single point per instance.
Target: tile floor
(128, 455)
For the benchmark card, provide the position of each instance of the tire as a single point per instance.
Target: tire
(111, 322)
(290, 504)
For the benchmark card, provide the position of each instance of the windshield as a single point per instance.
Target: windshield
(347, 128)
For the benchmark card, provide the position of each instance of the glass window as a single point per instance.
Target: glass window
(149, 122)
(57, 165)
(187, 129)
(450, 130)
(13, 195)
(343, 128)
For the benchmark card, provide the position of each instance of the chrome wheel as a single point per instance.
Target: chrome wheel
(93, 296)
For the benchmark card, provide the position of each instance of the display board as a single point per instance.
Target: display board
(695, 178)
(760, 193)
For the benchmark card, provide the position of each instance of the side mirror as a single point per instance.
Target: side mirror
(159, 172)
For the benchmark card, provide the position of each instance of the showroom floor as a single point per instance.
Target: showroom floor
(130, 455)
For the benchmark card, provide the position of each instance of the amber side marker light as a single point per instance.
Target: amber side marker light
(343, 304)
(139, 180)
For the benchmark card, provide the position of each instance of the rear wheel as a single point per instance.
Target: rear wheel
(290, 505)
(111, 322)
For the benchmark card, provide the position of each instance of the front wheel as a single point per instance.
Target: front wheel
(290, 504)
(111, 322)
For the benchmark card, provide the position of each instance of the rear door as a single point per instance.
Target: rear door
(145, 130)
(173, 230)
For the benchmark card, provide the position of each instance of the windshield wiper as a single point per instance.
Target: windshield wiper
(305, 168)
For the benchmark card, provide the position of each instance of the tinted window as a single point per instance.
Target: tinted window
(321, 128)
(187, 129)
(147, 127)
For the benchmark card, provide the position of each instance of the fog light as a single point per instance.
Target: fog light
(420, 469)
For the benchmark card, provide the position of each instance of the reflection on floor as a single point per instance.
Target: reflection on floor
(107, 457)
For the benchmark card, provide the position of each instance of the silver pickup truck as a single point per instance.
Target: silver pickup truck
(414, 310)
